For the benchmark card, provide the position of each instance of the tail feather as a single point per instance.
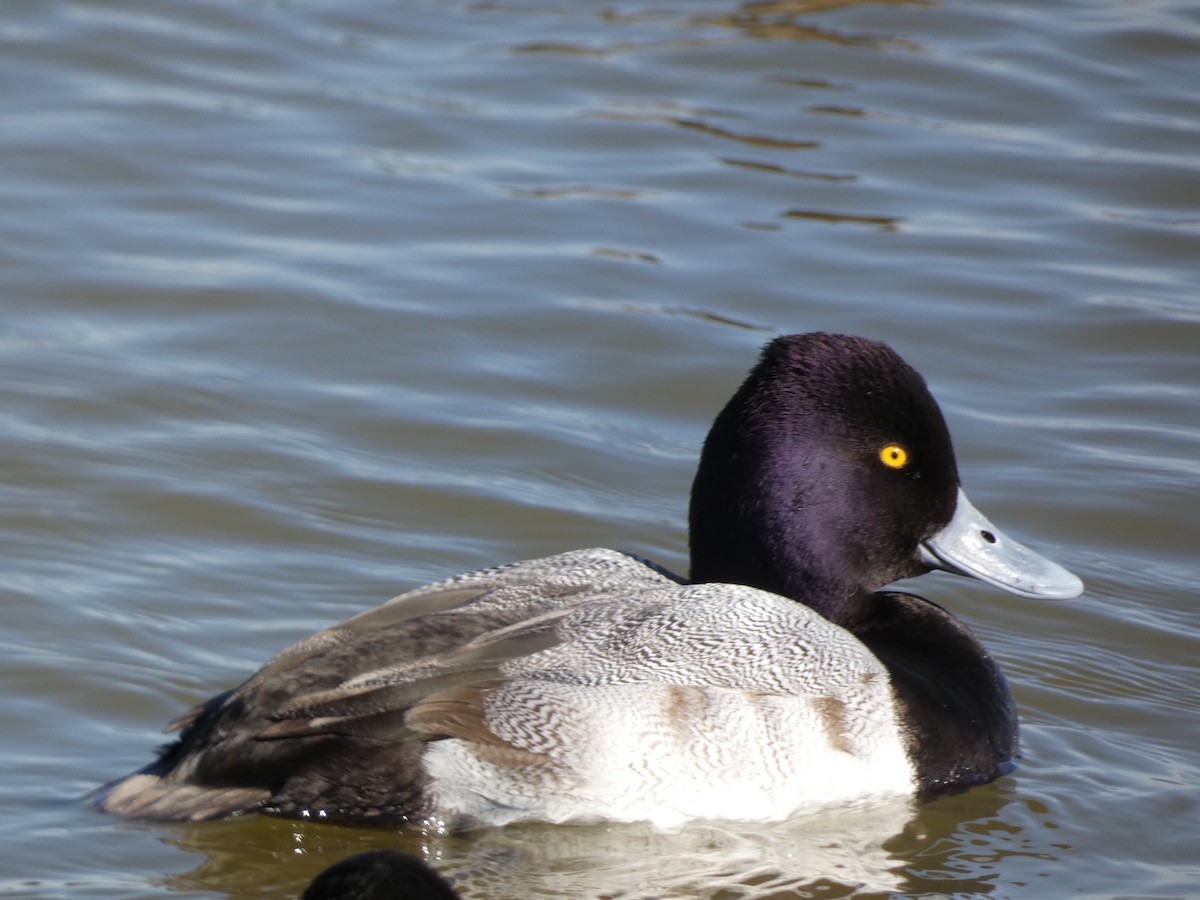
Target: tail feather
(145, 796)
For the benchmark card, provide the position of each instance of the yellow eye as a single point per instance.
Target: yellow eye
(894, 456)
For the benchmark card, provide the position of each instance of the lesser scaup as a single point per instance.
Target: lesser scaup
(594, 684)
(379, 875)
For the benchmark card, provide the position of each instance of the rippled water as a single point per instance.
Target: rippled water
(307, 303)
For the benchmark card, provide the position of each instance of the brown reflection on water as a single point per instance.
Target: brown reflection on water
(258, 856)
(667, 114)
(776, 20)
(754, 140)
(885, 223)
(774, 169)
(884, 851)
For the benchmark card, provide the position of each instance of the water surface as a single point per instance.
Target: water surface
(308, 303)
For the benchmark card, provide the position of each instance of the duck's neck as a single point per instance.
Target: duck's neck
(962, 723)
(763, 540)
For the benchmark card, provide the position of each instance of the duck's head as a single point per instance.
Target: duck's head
(830, 473)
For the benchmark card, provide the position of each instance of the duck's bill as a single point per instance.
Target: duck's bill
(971, 545)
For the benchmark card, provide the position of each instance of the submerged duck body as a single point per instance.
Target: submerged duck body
(595, 685)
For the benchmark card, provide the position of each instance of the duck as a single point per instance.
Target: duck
(782, 675)
(379, 875)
